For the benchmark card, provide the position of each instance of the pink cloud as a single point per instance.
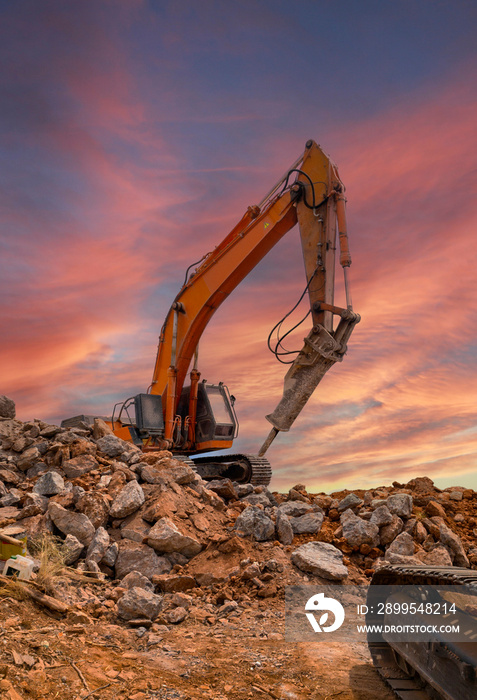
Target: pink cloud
(87, 310)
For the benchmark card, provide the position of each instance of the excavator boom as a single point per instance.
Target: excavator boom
(314, 200)
(200, 417)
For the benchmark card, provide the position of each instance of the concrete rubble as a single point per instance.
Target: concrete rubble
(170, 545)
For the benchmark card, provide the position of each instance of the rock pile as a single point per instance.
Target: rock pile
(168, 540)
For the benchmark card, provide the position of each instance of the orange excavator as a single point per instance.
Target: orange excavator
(199, 417)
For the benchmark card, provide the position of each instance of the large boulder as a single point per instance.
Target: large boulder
(136, 580)
(95, 505)
(98, 546)
(133, 556)
(321, 559)
(295, 508)
(71, 549)
(49, 484)
(389, 532)
(28, 458)
(350, 501)
(165, 537)
(111, 445)
(7, 407)
(80, 465)
(255, 523)
(137, 603)
(403, 544)
(400, 504)
(453, 543)
(308, 524)
(439, 556)
(284, 529)
(381, 516)
(70, 523)
(357, 531)
(128, 500)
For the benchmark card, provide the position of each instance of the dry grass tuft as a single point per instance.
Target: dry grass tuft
(13, 589)
(47, 549)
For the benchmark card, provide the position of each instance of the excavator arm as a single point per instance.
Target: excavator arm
(312, 195)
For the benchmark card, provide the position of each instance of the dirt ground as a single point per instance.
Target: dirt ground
(241, 656)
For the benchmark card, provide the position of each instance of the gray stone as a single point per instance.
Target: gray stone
(137, 603)
(137, 580)
(78, 466)
(284, 529)
(243, 489)
(133, 556)
(357, 531)
(11, 499)
(182, 475)
(98, 546)
(177, 615)
(7, 407)
(257, 499)
(92, 567)
(394, 558)
(456, 495)
(321, 559)
(34, 504)
(223, 488)
(381, 516)
(49, 484)
(295, 508)
(149, 474)
(255, 523)
(9, 477)
(389, 532)
(111, 445)
(28, 458)
(164, 536)
(182, 600)
(400, 504)
(100, 429)
(310, 523)
(134, 528)
(420, 532)
(9, 512)
(111, 555)
(452, 541)
(128, 500)
(251, 571)
(70, 523)
(439, 556)
(50, 431)
(377, 502)
(350, 501)
(421, 484)
(37, 469)
(72, 549)
(176, 558)
(403, 544)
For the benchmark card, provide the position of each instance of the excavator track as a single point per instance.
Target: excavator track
(420, 670)
(244, 468)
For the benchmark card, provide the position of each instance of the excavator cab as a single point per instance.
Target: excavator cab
(216, 421)
(141, 418)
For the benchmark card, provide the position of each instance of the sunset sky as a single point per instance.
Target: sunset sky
(134, 136)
